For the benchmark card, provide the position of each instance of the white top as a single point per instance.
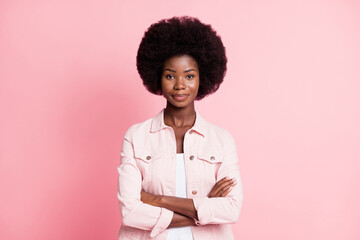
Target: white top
(180, 233)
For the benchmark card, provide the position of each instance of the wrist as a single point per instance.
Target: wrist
(158, 200)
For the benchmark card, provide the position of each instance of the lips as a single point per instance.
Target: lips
(180, 97)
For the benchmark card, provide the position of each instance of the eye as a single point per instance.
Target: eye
(169, 76)
(190, 76)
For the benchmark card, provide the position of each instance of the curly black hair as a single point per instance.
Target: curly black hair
(180, 36)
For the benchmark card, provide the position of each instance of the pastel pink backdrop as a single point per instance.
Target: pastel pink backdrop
(291, 98)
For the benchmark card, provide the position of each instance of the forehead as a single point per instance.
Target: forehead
(181, 62)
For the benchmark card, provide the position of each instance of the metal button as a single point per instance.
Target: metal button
(148, 158)
(192, 157)
(194, 192)
(212, 158)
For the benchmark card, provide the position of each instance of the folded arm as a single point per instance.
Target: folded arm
(184, 210)
(221, 205)
(221, 210)
(134, 212)
(179, 220)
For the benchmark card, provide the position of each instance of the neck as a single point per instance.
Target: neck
(179, 117)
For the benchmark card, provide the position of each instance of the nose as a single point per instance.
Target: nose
(180, 84)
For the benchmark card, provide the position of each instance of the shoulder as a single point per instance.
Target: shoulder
(218, 131)
(138, 128)
(221, 137)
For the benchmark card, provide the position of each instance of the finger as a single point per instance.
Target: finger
(219, 185)
(219, 191)
(226, 183)
(230, 189)
(225, 190)
(222, 180)
(230, 182)
(225, 193)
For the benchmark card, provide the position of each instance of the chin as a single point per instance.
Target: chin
(179, 104)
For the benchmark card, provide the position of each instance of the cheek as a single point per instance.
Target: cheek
(195, 85)
(165, 87)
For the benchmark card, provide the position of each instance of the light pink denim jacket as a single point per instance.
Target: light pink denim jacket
(148, 161)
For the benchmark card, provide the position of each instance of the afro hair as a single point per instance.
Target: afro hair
(182, 36)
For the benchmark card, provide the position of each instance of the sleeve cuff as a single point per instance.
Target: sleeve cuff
(197, 204)
(163, 222)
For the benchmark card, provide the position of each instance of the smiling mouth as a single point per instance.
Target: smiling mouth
(180, 97)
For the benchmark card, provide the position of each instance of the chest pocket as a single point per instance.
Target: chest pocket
(146, 156)
(211, 157)
(152, 167)
(209, 164)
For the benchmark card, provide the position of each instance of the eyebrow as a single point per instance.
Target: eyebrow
(171, 70)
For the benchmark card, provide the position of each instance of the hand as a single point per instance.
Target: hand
(222, 187)
(149, 198)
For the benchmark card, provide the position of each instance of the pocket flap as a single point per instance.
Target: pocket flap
(145, 156)
(211, 157)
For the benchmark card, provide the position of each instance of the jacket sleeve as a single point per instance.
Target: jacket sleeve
(134, 212)
(222, 210)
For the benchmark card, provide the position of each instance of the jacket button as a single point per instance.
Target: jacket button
(194, 192)
(212, 158)
(192, 157)
(148, 158)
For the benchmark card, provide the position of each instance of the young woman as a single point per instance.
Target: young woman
(179, 177)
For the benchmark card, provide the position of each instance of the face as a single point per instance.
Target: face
(180, 80)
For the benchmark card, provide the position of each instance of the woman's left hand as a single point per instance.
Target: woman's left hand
(222, 187)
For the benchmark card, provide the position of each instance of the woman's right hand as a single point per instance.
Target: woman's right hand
(222, 187)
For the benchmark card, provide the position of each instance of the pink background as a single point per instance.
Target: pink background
(69, 89)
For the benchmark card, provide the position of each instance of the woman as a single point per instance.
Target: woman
(178, 177)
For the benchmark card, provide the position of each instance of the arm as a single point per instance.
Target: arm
(223, 203)
(219, 210)
(134, 212)
(179, 220)
(184, 209)
(183, 206)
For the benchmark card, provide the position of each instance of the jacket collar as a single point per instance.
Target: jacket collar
(200, 125)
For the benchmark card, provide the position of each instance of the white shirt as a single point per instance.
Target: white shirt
(180, 233)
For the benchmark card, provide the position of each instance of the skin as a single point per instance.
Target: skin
(180, 75)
